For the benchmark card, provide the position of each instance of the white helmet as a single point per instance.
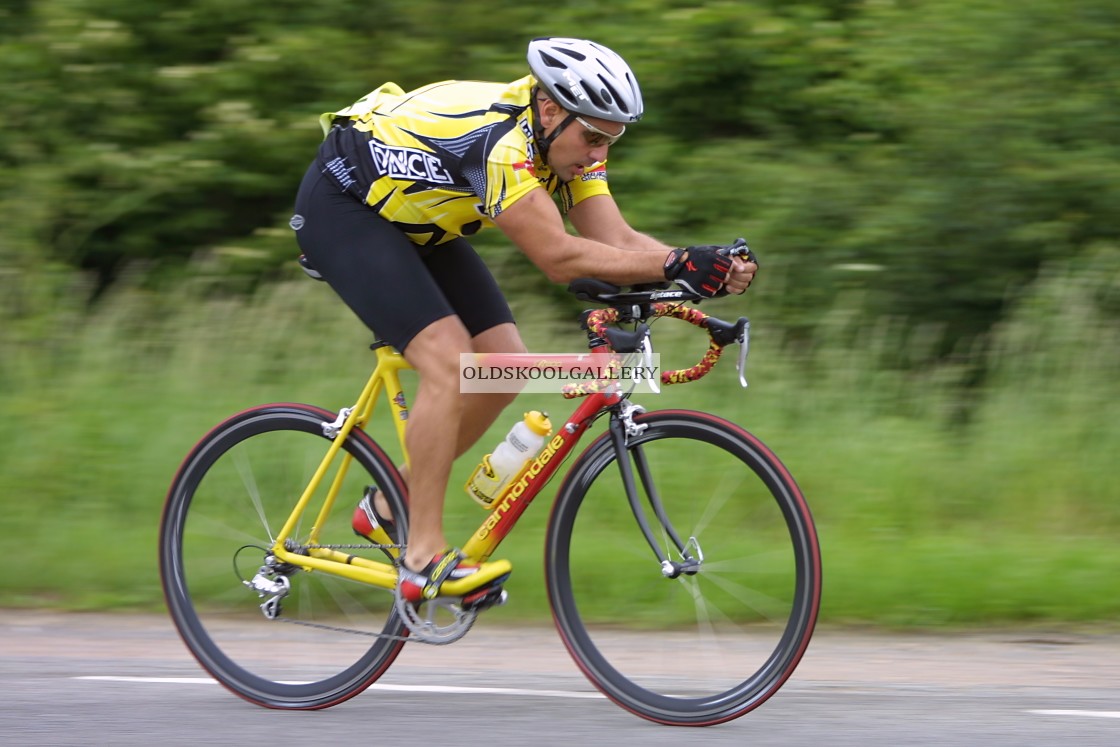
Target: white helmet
(586, 78)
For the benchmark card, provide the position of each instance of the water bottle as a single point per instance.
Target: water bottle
(519, 446)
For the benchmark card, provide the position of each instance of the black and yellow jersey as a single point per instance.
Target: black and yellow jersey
(442, 161)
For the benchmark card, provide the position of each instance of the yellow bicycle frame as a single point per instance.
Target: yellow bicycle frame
(509, 506)
(310, 556)
(385, 378)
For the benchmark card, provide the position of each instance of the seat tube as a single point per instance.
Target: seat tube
(390, 364)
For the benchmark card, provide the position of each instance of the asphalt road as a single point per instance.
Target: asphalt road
(95, 679)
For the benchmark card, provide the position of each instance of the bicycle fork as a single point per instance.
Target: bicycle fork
(622, 428)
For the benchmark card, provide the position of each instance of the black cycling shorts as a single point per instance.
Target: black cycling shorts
(396, 287)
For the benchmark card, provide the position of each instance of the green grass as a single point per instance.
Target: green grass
(937, 504)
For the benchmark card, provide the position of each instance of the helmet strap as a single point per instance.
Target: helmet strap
(545, 141)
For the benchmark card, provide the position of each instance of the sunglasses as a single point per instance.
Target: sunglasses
(596, 137)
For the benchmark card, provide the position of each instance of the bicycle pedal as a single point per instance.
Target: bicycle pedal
(491, 596)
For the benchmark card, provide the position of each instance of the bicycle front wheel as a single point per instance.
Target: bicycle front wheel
(712, 627)
(327, 638)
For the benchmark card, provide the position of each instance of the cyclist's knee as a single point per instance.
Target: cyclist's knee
(434, 351)
(503, 338)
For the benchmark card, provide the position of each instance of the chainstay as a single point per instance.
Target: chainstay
(383, 636)
(351, 631)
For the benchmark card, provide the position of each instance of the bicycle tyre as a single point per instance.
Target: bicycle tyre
(698, 649)
(234, 490)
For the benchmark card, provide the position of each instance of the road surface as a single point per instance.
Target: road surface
(102, 679)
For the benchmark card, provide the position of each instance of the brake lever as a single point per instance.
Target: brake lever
(739, 249)
(744, 340)
(647, 361)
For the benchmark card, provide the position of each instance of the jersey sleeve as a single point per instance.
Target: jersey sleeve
(591, 183)
(509, 174)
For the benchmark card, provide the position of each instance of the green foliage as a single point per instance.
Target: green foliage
(955, 145)
(930, 185)
(924, 521)
(1005, 152)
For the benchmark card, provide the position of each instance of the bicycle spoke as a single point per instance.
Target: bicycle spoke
(729, 485)
(775, 561)
(249, 483)
(221, 528)
(753, 599)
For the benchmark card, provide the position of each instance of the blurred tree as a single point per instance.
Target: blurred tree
(952, 144)
(1002, 149)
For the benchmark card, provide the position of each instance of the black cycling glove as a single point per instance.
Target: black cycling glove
(698, 269)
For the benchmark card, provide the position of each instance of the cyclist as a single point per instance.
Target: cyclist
(384, 213)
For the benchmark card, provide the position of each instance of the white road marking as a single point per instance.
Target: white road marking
(375, 686)
(1090, 714)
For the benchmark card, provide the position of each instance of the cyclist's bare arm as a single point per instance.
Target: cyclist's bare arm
(599, 218)
(535, 225)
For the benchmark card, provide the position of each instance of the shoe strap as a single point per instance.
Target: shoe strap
(439, 570)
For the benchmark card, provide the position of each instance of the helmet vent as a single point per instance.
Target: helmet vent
(610, 95)
(571, 53)
(552, 61)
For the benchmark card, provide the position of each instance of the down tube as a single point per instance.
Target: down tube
(501, 520)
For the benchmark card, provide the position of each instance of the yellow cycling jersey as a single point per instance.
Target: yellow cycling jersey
(442, 161)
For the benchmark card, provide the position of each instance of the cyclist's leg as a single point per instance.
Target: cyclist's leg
(482, 323)
(483, 409)
(383, 278)
(379, 273)
(472, 291)
(479, 410)
(433, 423)
(474, 294)
(431, 439)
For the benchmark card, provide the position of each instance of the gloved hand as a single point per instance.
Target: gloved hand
(740, 251)
(698, 269)
(739, 248)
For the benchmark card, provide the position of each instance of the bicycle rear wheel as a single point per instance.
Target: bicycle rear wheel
(232, 495)
(720, 638)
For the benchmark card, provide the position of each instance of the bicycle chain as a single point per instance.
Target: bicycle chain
(336, 629)
(366, 546)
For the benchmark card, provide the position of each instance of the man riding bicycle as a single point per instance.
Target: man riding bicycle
(384, 213)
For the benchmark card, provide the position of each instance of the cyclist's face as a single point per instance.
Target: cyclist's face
(581, 145)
